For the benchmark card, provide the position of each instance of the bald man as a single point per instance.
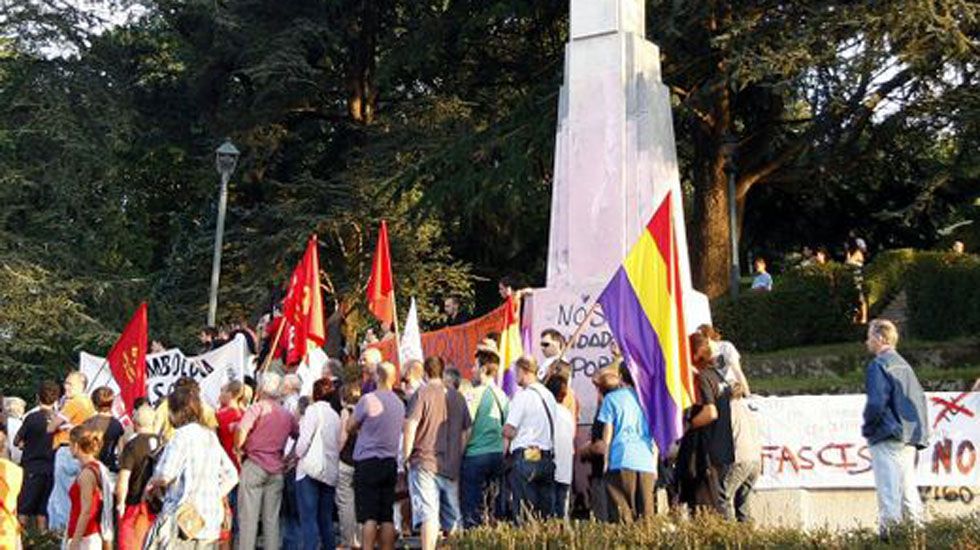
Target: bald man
(377, 420)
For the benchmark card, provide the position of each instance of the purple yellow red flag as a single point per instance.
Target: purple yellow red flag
(643, 305)
(303, 307)
(127, 358)
(511, 346)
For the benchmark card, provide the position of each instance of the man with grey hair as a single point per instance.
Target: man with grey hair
(289, 391)
(262, 434)
(895, 425)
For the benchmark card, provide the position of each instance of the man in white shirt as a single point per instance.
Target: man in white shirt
(552, 344)
(529, 436)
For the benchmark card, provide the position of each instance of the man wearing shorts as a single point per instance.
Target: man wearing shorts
(37, 458)
(435, 433)
(377, 420)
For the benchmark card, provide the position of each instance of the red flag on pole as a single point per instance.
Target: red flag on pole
(303, 307)
(127, 358)
(381, 285)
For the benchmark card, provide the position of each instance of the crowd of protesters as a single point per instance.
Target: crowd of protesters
(419, 450)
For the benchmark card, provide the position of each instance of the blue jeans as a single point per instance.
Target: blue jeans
(560, 501)
(315, 500)
(532, 484)
(479, 475)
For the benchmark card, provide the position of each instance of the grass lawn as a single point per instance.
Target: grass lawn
(933, 379)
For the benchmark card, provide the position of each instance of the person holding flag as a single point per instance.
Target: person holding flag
(300, 327)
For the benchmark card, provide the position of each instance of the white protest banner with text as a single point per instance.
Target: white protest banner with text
(815, 442)
(212, 370)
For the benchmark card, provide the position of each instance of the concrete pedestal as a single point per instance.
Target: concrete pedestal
(615, 161)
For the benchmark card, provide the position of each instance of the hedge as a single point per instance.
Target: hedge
(814, 305)
(808, 306)
(885, 276)
(943, 295)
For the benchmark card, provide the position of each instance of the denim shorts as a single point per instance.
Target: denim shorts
(434, 498)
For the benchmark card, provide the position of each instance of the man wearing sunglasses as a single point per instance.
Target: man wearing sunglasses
(552, 344)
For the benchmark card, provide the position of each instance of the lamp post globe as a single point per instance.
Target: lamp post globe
(225, 161)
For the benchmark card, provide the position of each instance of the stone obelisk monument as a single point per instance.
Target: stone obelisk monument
(615, 160)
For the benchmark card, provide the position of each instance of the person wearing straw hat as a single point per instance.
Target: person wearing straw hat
(483, 459)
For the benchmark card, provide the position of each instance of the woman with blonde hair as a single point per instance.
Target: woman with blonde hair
(90, 516)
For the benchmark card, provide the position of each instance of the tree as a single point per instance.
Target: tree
(800, 86)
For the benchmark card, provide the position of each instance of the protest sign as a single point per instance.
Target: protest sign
(212, 370)
(815, 442)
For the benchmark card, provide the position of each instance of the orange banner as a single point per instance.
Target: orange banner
(455, 344)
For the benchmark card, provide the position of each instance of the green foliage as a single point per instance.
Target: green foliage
(440, 117)
(808, 306)
(944, 295)
(709, 531)
(885, 276)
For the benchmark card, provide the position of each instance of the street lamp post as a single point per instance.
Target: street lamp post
(728, 150)
(225, 160)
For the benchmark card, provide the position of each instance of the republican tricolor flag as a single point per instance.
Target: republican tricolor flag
(511, 346)
(643, 305)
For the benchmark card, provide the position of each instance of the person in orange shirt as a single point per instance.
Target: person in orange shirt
(11, 479)
(76, 409)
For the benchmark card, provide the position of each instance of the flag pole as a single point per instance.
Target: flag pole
(398, 338)
(578, 330)
(272, 349)
(88, 387)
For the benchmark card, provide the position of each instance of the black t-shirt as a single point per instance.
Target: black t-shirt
(111, 430)
(713, 389)
(37, 456)
(135, 458)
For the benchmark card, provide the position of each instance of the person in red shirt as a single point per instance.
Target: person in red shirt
(85, 518)
(229, 415)
(233, 401)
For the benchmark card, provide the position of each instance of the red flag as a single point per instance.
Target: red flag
(381, 285)
(127, 358)
(303, 307)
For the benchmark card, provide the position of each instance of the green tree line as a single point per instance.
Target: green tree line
(438, 116)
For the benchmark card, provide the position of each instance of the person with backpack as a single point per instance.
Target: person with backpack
(136, 463)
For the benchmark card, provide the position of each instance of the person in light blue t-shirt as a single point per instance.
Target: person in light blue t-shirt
(631, 460)
(762, 282)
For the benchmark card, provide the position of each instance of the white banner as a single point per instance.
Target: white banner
(212, 370)
(815, 442)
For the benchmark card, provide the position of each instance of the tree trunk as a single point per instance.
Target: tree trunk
(362, 95)
(710, 250)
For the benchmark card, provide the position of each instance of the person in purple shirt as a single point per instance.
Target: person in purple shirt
(370, 359)
(262, 434)
(377, 420)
